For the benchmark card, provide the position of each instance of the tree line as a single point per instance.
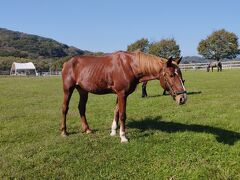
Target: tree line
(43, 65)
(220, 44)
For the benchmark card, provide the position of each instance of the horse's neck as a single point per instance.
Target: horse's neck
(149, 67)
(148, 78)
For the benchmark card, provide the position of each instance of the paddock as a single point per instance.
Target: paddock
(203, 66)
(198, 140)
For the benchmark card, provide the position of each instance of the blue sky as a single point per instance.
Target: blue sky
(109, 25)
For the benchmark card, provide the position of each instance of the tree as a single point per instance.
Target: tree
(165, 48)
(141, 45)
(220, 44)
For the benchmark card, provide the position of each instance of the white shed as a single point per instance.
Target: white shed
(23, 69)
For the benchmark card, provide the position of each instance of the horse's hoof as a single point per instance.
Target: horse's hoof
(124, 140)
(113, 133)
(64, 134)
(88, 131)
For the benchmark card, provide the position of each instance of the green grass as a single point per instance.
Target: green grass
(199, 140)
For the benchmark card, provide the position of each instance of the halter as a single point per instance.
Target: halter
(171, 91)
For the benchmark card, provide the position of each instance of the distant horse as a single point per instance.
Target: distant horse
(213, 64)
(117, 73)
(144, 84)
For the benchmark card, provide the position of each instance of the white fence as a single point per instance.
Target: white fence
(52, 73)
(203, 66)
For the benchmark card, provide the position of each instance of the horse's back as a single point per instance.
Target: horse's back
(95, 62)
(96, 74)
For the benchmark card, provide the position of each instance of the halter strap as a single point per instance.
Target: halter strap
(174, 93)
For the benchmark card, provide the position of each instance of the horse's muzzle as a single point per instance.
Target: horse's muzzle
(181, 98)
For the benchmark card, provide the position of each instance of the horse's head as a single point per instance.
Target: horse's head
(172, 81)
(208, 68)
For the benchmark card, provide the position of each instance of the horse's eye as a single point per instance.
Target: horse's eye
(172, 75)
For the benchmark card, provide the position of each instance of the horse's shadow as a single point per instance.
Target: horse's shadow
(193, 92)
(156, 123)
(188, 93)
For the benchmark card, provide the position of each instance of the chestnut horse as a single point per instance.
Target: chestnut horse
(144, 84)
(118, 73)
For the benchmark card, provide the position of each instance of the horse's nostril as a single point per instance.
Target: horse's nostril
(181, 100)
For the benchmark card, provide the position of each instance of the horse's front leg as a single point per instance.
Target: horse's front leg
(122, 100)
(65, 106)
(82, 110)
(115, 120)
(144, 89)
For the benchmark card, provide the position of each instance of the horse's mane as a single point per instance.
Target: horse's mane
(149, 63)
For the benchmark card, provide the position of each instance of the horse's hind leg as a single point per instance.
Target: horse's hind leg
(66, 98)
(115, 120)
(82, 109)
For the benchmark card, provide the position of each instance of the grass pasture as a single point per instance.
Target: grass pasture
(199, 140)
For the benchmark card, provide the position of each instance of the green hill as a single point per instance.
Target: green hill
(24, 45)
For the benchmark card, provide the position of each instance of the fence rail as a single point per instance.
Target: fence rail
(52, 73)
(203, 66)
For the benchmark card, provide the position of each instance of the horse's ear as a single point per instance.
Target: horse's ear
(169, 62)
(179, 60)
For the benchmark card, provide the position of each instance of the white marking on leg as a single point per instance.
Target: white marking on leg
(114, 128)
(63, 134)
(123, 136)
